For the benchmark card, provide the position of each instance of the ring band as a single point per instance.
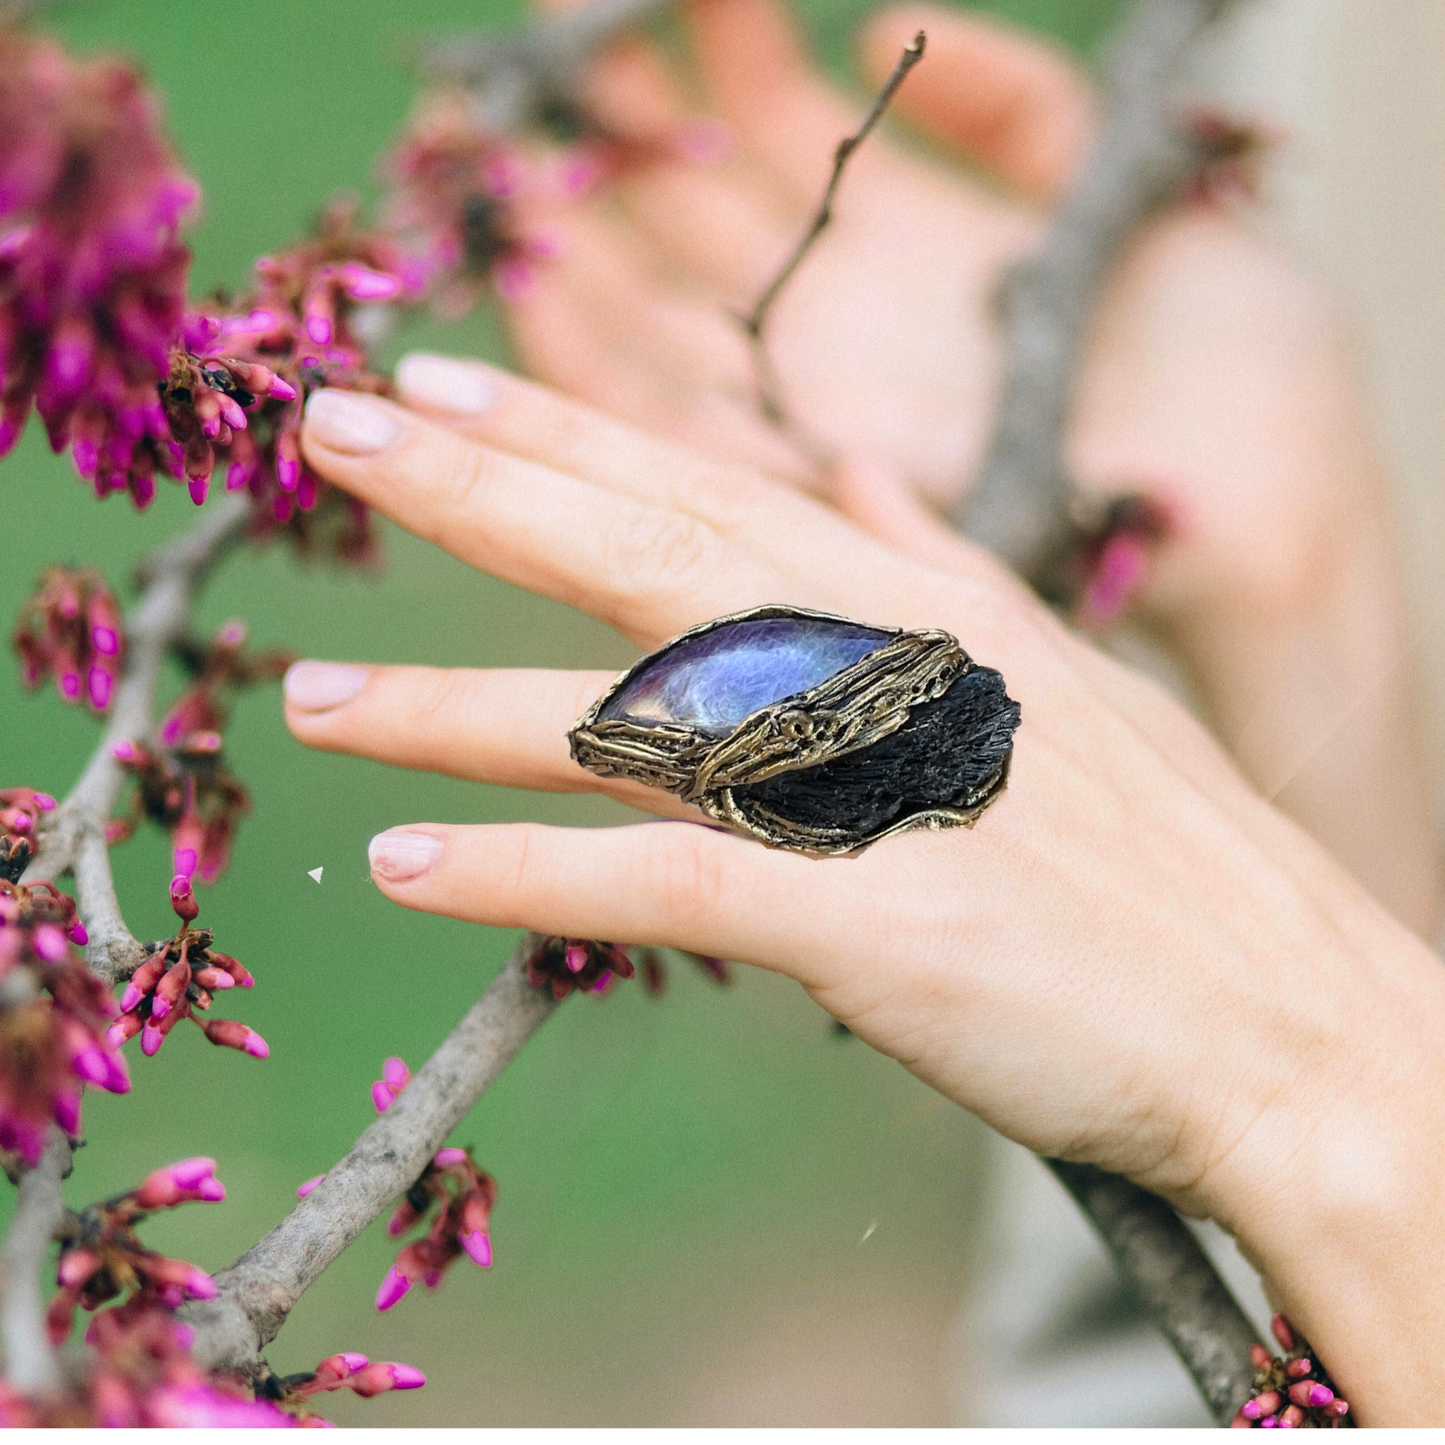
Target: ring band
(807, 731)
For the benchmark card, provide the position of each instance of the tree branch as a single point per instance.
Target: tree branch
(262, 1287)
(74, 839)
(30, 1361)
(1023, 505)
(515, 79)
(1174, 1280)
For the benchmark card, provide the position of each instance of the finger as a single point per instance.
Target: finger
(1006, 99)
(501, 725)
(674, 885)
(650, 569)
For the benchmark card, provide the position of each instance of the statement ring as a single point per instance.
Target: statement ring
(807, 731)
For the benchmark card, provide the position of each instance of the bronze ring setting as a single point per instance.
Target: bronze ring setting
(807, 731)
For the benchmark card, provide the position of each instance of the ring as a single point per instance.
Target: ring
(807, 731)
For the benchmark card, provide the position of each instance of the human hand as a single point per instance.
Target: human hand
(1130, 959)
(1217, 383)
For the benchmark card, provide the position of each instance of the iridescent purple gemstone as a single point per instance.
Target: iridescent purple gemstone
(712, 682)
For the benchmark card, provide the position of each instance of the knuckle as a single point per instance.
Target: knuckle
(656, 551)
(437, 695)
(692, 878)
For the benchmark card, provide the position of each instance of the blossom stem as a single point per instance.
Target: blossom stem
(261, 1288)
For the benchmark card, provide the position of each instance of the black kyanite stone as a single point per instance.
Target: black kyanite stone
(951, 752)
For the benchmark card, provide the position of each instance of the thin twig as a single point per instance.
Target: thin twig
(769, 389)
(263, 1286)
(74, 839)
(1023, 505)
(30, 1361)
(1173, 1279)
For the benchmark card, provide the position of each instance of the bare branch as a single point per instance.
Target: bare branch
(1023, 505)
(514, 79)
(769, 390)
(30, 1361)
(263, 1286)
(74, 839)
(1179, 1288)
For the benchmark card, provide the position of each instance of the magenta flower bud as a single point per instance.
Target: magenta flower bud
(1292, 1418)
(1311, 1393)
(212, 1191)
(406, 1377)
(191, 1173)
(76, 1266)
(396, 1074)
(1298, 1369)
(362, 284)
(49, 943)
(115, 1036)
(1337, 1409)
(393, 1287)
(70, 684)
(125, 753)
(302, 1190)
(45, 802)
(282, 390)
(576, 955)
(445, 1158)
(478, 1248)
(66, 1104)
(78, 935)
(130, 998)
(198, 487)
(1270, 1422)
(183, 900)
(151, 1039)
(256, 1046)
(100, 683)
(183, 1335)
(200, 1285)
(382, 1097)
(1251, 1410)
(183, 860)
(104, 640)
(159, 1007)
(1282, 1332)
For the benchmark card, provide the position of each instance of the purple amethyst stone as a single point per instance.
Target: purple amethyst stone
(712, 682)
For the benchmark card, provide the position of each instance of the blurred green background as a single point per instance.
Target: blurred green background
(685, 1183)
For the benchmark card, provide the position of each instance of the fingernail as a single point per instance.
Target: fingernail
(346, 422)
(438, 381)
(317, 686)
(401, 855)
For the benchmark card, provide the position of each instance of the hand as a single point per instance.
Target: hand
(1130, 959)
(1217, 382)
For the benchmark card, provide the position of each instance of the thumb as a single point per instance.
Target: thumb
(1012, 103)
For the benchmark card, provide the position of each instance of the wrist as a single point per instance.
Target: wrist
(1336, 1196)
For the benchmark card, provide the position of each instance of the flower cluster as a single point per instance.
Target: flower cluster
(463, 1195)
(53, 1012)
(219, 669)
(349, 1371)
(92, 275)
(101, 1257)
(1291, 1392)
(452, 189)
(462, 1192)
(582, 964)
(298, 327)
(140, 1373)
(179, 978)
(70, 629)
(188, 790)
(1111, 566)
(587, 965)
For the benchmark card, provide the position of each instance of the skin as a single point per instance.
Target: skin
(1218, 380)
(1130, 960)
